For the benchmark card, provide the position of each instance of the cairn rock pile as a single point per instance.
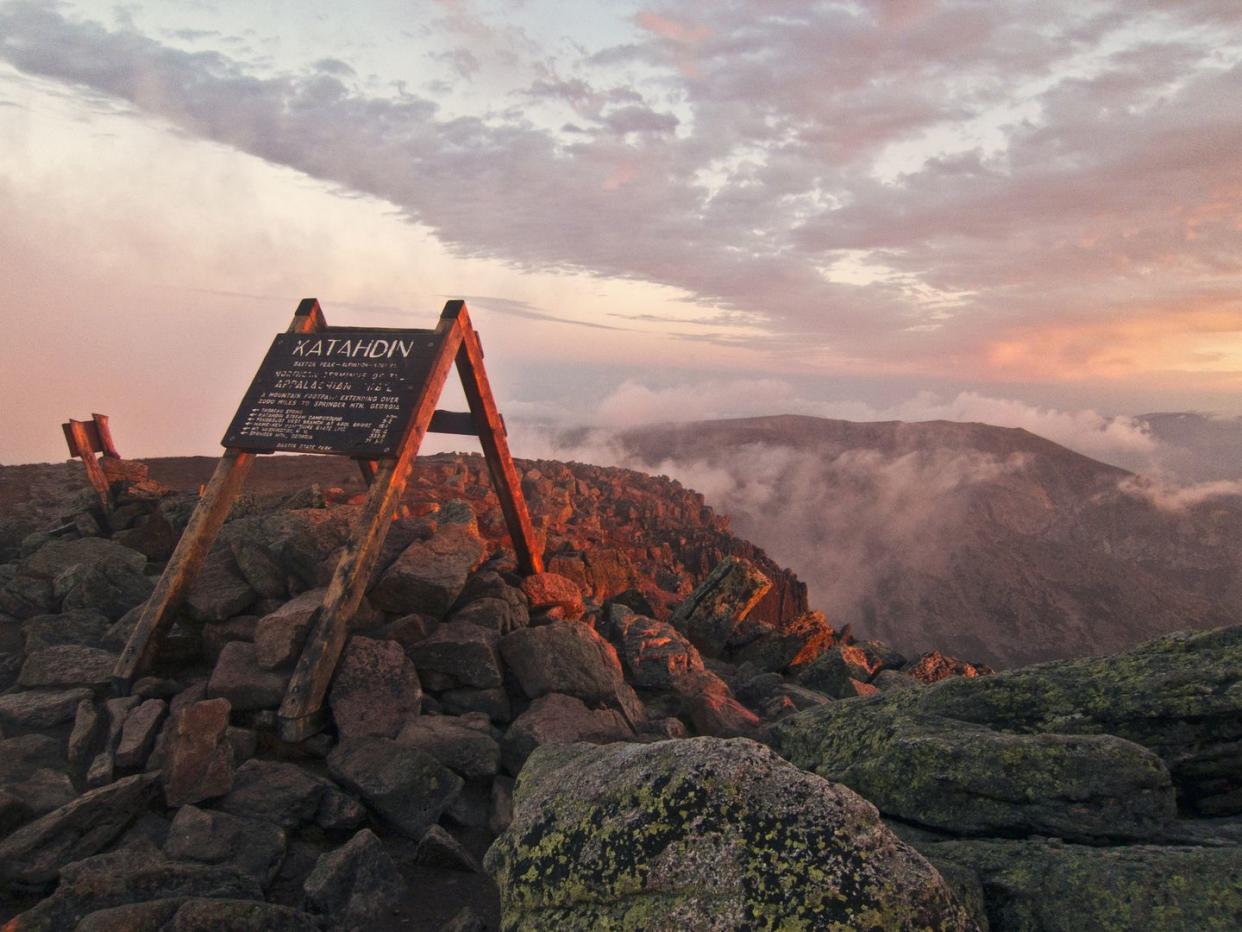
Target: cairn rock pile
(623, 698)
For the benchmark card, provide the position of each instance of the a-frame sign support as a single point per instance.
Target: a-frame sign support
(454, 340)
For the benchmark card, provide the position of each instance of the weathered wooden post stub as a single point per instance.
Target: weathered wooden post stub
(364, 392)
(85, 439)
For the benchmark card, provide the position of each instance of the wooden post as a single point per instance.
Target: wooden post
(80, 440)
(195, 543)
(491, 430)
(104, 433)
(301, 713)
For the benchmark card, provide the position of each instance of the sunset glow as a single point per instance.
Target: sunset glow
(869, 200)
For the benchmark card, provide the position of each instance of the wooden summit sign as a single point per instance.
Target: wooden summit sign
(347, 391)
(366, 393)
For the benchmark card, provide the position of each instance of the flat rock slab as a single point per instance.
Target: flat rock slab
(559, 719)
(275, 791)
(465, 748)
(138, 733)
(88, 628)
(408, 787)
(238, 678)
(357, 885)
(465, 653)
(971, 780)
(68, 665)
(199, 756)
(31, 857)
(375, 689)
(280, 635)
(428, 576)
(1059, 887)
(121, 878)
(38, 709)
(254, 847)
(703, 834)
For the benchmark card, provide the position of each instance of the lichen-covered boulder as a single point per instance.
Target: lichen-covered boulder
(1179, 696)
(703, 834)
(971, 780)
(1056, 887)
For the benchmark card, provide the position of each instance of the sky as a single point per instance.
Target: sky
(1026, 211)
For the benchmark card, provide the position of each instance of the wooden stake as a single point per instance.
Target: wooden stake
(195, 543)
(301, 713)
(491, 431)
(81, 441)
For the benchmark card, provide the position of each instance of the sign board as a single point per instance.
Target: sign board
(349, 392)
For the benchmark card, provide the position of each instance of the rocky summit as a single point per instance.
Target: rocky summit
(657, 733)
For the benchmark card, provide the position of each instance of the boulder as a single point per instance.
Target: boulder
(720, 604)
(570, 658)
(438, 848)
(712, 709)
(198, 757)
(357, 885)
(461, 745)
(339, 812)
(88, 628)
(68, 665)
(1058, 887)
(57, 557)
(215, 914)
(1180, 696)
(703, 834)
(36, 710)
(494, 703)
(428, 576)
(32, 857)
(971, 780)
(795, 643)
(219, 591)
(934, 666)
(465, 653)
(23, 755)
(559, 719)
(496, 614)
(280, 635)
(406, 786)
(90, 724)
(256, 848)
(841, 672)
(656, 655)
(274, 791)
(129, 876)
(139, 731)
(238, 678)
(375, 689)
(546, 591)
(288, 550)
(23, 800)
(111, 587)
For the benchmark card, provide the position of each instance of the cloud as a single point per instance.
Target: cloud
(1180, 498)
(1016, 180)
(1118, 440)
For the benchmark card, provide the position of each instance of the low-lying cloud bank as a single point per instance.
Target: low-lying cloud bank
(851, 522)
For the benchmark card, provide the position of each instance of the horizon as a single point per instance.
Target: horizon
(1022, 214)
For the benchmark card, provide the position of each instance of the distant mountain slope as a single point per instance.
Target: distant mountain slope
(990, 543)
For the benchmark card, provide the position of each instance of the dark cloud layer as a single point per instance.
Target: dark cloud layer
(1087, 166)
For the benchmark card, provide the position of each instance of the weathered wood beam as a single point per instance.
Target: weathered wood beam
(195, 543)
(302, 713)
(491, 431)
